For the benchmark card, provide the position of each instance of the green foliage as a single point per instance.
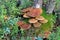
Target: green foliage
(8, 8)
(55, 35)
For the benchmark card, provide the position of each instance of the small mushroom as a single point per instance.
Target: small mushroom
(24, 10)
(33, 20)
(37, 24)
(46, 34)
(43, 21)
(20, 23)
(40, 18)
(27, 9)
(25, 26)
(25, 16)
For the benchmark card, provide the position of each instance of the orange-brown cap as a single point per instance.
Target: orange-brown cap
(20, 23)
(37, 24)
(39, 10)
(46, 34)
(40, 18)
(43, 21)
(25, 15)
(25, 26)
(33, 20)
(27, 9)
(34, 12)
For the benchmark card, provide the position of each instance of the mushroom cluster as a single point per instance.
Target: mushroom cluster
(35, 18)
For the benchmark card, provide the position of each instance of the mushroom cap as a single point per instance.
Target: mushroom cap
(46, 34)
(20, 23)
(27, 9)
(24, 10)
(43, 21)
(34, 12)
(39, 10)
(33, 21)
(25, 16)
(40, 18)
(25, 26)
(37, 24)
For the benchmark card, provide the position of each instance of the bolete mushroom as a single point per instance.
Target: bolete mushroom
(40, 18)
(33, 20)
(25, 26)
(43, 21)
(25, 16)
(37, 24)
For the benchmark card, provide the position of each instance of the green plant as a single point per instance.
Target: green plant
(55, 35)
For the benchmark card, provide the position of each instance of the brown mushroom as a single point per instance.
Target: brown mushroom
(46, 34)
(40, 18)
(43, 21)
(39, 10)
(25, 16)
(33, 20)
(25, 26)
(37, 24)
(34, 12)
(27, 9)
(20, 23)
(24, 10)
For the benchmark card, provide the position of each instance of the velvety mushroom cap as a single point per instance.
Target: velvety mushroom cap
(43, 21)
(37, 24)
(40, 18)
(25, 26)
(25, 16)
(33, 21)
